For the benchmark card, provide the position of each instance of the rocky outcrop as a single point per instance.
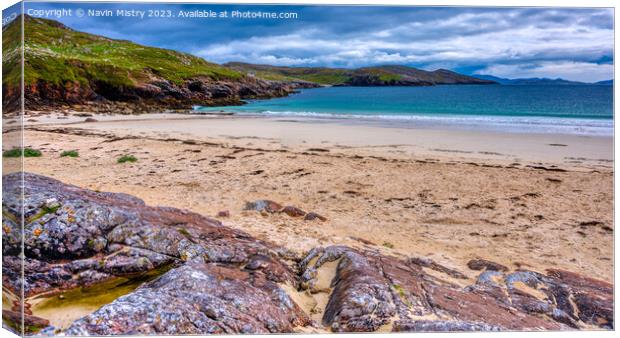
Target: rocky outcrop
(152, 96)
(216, 279)
(198, 298)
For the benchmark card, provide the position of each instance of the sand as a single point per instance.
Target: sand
(533, 201)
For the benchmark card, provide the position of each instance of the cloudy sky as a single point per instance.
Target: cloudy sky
(575, 44)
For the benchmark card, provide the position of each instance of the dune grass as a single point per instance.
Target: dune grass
(127, 158)
(19, 152)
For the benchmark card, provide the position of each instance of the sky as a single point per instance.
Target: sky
(574, 44)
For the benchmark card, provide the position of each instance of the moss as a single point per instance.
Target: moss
(402, 294)
(388, 245)
(44, 211)
(17, 152)
(69, 153)
(127, 158)
(6, 214)
(184, 232)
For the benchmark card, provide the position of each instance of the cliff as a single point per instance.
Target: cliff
(66, 67)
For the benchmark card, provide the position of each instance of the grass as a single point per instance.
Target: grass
(17, 152)
(388, 245)
(58, 55)
(127, 158)
(70, 153)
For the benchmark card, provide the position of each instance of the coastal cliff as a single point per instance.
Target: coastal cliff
(64, 67)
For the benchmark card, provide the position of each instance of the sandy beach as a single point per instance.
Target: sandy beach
(524, 200)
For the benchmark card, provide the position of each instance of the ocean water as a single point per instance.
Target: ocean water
(541, 109)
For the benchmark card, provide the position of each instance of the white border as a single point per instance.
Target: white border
(474, 3)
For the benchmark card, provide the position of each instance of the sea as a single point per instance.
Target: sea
(564, 109)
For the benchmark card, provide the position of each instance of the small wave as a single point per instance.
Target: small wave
(582, 126)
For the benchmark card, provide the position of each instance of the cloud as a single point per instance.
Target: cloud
(460, 38)
(467, 39)
(575, 71)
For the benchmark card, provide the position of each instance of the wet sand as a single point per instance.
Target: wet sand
(533, 201)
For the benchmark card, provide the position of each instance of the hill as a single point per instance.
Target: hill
(367, 76)
(538, 81)
(63, 67)
(605, 83)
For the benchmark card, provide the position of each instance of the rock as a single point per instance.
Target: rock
(31, 323)
(293, 211)
(224, 213)
(441, 326)
(483, 264)
(197, 298)
(215, 279)
(263, 205)
(90, 119)
(93, 236)
(311, 216)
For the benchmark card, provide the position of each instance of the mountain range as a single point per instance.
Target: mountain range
(540, 81)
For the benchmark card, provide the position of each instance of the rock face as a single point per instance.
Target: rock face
(153, 96)
(198, 298)
(221, 280)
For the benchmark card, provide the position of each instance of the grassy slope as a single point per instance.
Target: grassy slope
(57, 54)
(326, 76)
(336, 76)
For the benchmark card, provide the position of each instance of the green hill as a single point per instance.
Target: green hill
(64, 66)
(367, 76)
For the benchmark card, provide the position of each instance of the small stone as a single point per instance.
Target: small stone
(311, 216)
(293, 211)
(483, 264)
(223, 213)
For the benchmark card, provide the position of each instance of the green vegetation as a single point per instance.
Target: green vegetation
(378, 75)
(402, 294)
(127, 158)
(324, 76)
(388, 245)
(17, 152)
(58, 55)
(184, 232)
(69, 153)
(44, 211)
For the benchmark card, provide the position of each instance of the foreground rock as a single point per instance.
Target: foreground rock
(220, 280)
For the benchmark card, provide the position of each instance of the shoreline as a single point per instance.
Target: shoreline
(481, 123)
(566, 150)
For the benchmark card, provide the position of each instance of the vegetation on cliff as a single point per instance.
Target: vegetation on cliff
(64, 66)
(389, 75)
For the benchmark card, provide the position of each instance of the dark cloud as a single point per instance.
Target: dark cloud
(472, 40)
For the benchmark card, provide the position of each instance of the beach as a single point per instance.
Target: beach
(531, 201)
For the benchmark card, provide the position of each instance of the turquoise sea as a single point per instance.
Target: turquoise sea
(584, 109)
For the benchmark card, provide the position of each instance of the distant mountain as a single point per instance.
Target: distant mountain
(366, 76)
(605, 83)
(538, 81)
